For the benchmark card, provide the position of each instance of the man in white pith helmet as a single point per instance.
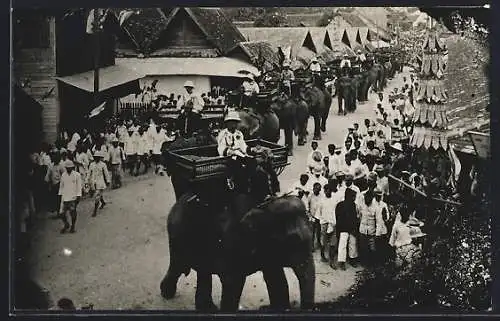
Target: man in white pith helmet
(190, 98)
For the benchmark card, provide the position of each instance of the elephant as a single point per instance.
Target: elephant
(237, 236)
(319, 101)
(285, 107)
(346, 94)
(265, 125)
(301, 117)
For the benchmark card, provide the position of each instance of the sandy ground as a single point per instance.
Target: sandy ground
(119, 257)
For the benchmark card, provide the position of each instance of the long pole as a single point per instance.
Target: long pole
(96, 56)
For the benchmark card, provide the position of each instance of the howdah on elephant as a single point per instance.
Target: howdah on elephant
(235, 236)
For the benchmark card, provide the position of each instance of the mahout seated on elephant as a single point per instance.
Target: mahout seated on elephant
(234, 233)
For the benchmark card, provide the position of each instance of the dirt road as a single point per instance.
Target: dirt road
(119, 257)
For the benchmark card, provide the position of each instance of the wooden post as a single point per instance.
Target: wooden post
(96, 56)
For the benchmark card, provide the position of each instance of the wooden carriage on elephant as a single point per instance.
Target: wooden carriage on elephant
(201, 169)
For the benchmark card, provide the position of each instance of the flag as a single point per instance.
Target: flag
(96, 111)
(456, 167)
(101, 16)
(124, 15)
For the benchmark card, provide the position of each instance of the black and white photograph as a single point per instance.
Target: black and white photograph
(331, 160)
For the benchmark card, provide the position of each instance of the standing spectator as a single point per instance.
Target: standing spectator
(367, 210)
(70, 190)
(117, 156)
(346, 219)
(142, 152)
(382, 219)
(159, 138)
(131, 146)
(82, 162)
(315, 201)
(327, 222)
(53, 177)
(121, 132)
(401, 240)
(334, 161)
(99, 179)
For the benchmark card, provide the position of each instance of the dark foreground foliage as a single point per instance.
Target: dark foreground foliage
(453, 275)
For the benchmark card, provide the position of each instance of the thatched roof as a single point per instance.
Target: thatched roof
(259, 50)
(279, 37)
(352, 19)
(215, 25)
(467, 83)
(320, 38)
(351, 34)
(146, 26)
(338, 46)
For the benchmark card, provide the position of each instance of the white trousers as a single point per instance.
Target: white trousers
(347, 245)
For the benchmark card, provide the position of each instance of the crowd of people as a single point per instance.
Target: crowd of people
(85, 164)
(356, 209)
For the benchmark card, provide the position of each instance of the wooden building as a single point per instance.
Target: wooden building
(53, 63)
(172, 45)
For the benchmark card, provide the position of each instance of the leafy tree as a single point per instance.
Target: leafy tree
(271, 18)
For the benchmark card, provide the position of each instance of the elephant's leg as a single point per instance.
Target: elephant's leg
(302, 129)
(324, 117)
(307, 280)
(339, 100)
(203, 297)
(289, 137)
(277, 288)
(232, 286)
(168, 285)
(317, 125)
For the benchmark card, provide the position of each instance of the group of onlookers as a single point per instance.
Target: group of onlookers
(92, 162)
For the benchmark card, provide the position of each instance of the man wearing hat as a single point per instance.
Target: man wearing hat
(98, 180)
(190, 98)
(286, 78)
(249, 85)
(361, 58)
(315, 67)
(231, 142)
(70, 190)
(188, 122)
(117, 156)
(345, 62)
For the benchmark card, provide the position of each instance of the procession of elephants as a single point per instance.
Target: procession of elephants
(234, 233)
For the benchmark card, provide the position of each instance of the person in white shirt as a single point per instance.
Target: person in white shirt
(369, 137)
(334, 161)
(250, 86)
(159, 137)
(401, 240)
(327, 221)
(190, 97)
(382, 218)
(345, 62)
(99, 179)
(315, 200)
(360, 56)
(121, 133)
(300, 185)
(315, 67)
(143, 149)
(70, 190)
(347, 166)
(315, 156)
(317, 176)
(131, 145)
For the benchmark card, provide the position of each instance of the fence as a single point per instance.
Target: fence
(133, 109)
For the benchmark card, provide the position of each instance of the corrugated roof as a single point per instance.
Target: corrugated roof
(464, 143)
(278, 37)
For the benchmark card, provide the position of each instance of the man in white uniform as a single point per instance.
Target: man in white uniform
(190, 97)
